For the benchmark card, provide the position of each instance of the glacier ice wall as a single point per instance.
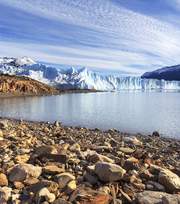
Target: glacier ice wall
(82, 78)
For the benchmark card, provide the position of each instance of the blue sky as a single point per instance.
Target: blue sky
(129, 36)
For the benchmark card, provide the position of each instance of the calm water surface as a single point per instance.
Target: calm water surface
(126, 111)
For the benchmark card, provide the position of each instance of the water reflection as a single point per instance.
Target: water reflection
(126, 111)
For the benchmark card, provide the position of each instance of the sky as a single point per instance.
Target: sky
(128, 36)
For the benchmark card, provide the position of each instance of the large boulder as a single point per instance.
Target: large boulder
(170, 180)
(108, 172)
(21, 172)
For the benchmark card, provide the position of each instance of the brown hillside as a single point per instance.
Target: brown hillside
(19, 85)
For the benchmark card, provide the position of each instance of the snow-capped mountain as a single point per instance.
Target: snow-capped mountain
(75, 78)
(166, 73)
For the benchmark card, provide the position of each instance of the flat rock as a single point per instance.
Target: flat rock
(44, 150)
(52, 169)
(108, 172)
(95, 157)
(132, 140)
(126, 150)
(156, 197)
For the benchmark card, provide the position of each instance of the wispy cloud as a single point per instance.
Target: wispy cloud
(88, 33)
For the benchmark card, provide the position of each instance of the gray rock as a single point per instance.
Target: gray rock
(61, 201)
(21, 172)
(156, 186)
(156, 197)
(108, 172)
(92, 179)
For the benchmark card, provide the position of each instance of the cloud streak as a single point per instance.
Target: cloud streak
(89, 33)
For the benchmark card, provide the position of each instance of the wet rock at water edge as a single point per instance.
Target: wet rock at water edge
(155, 134)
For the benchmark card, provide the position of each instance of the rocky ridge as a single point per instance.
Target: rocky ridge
(49, 163)
(19, 85)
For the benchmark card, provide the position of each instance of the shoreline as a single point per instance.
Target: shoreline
(43, 161)
(124, 133)
(60, 92)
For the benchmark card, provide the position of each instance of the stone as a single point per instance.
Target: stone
(52, 169)
(156, 186)
(1, 134)
(3, 124)
(108, 172)
(105, 189)
(44, 150)
(171, 199)
(30, 181)
(92, 179)
(156, 197)
(18, 185)
(155, 134)
(5, 193)
(71, 186)
(22, 158)
(61, 158)
(61, 201)
(132, 140)
(75, 147)
(56, 124)
(3, 180)
(126, 150)
(63, 179)
(131, 163)
(50, 185)
(21, 172)
(88, 196)
(170, 180)
(95, 157)
(45, 194)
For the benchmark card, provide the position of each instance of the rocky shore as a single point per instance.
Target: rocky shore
(49, 163)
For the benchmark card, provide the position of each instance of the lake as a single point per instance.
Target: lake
(133, 112)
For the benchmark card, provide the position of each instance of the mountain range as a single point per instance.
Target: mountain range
(167, 73)
(82, 78)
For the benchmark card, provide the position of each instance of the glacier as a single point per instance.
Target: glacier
(81, 78)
